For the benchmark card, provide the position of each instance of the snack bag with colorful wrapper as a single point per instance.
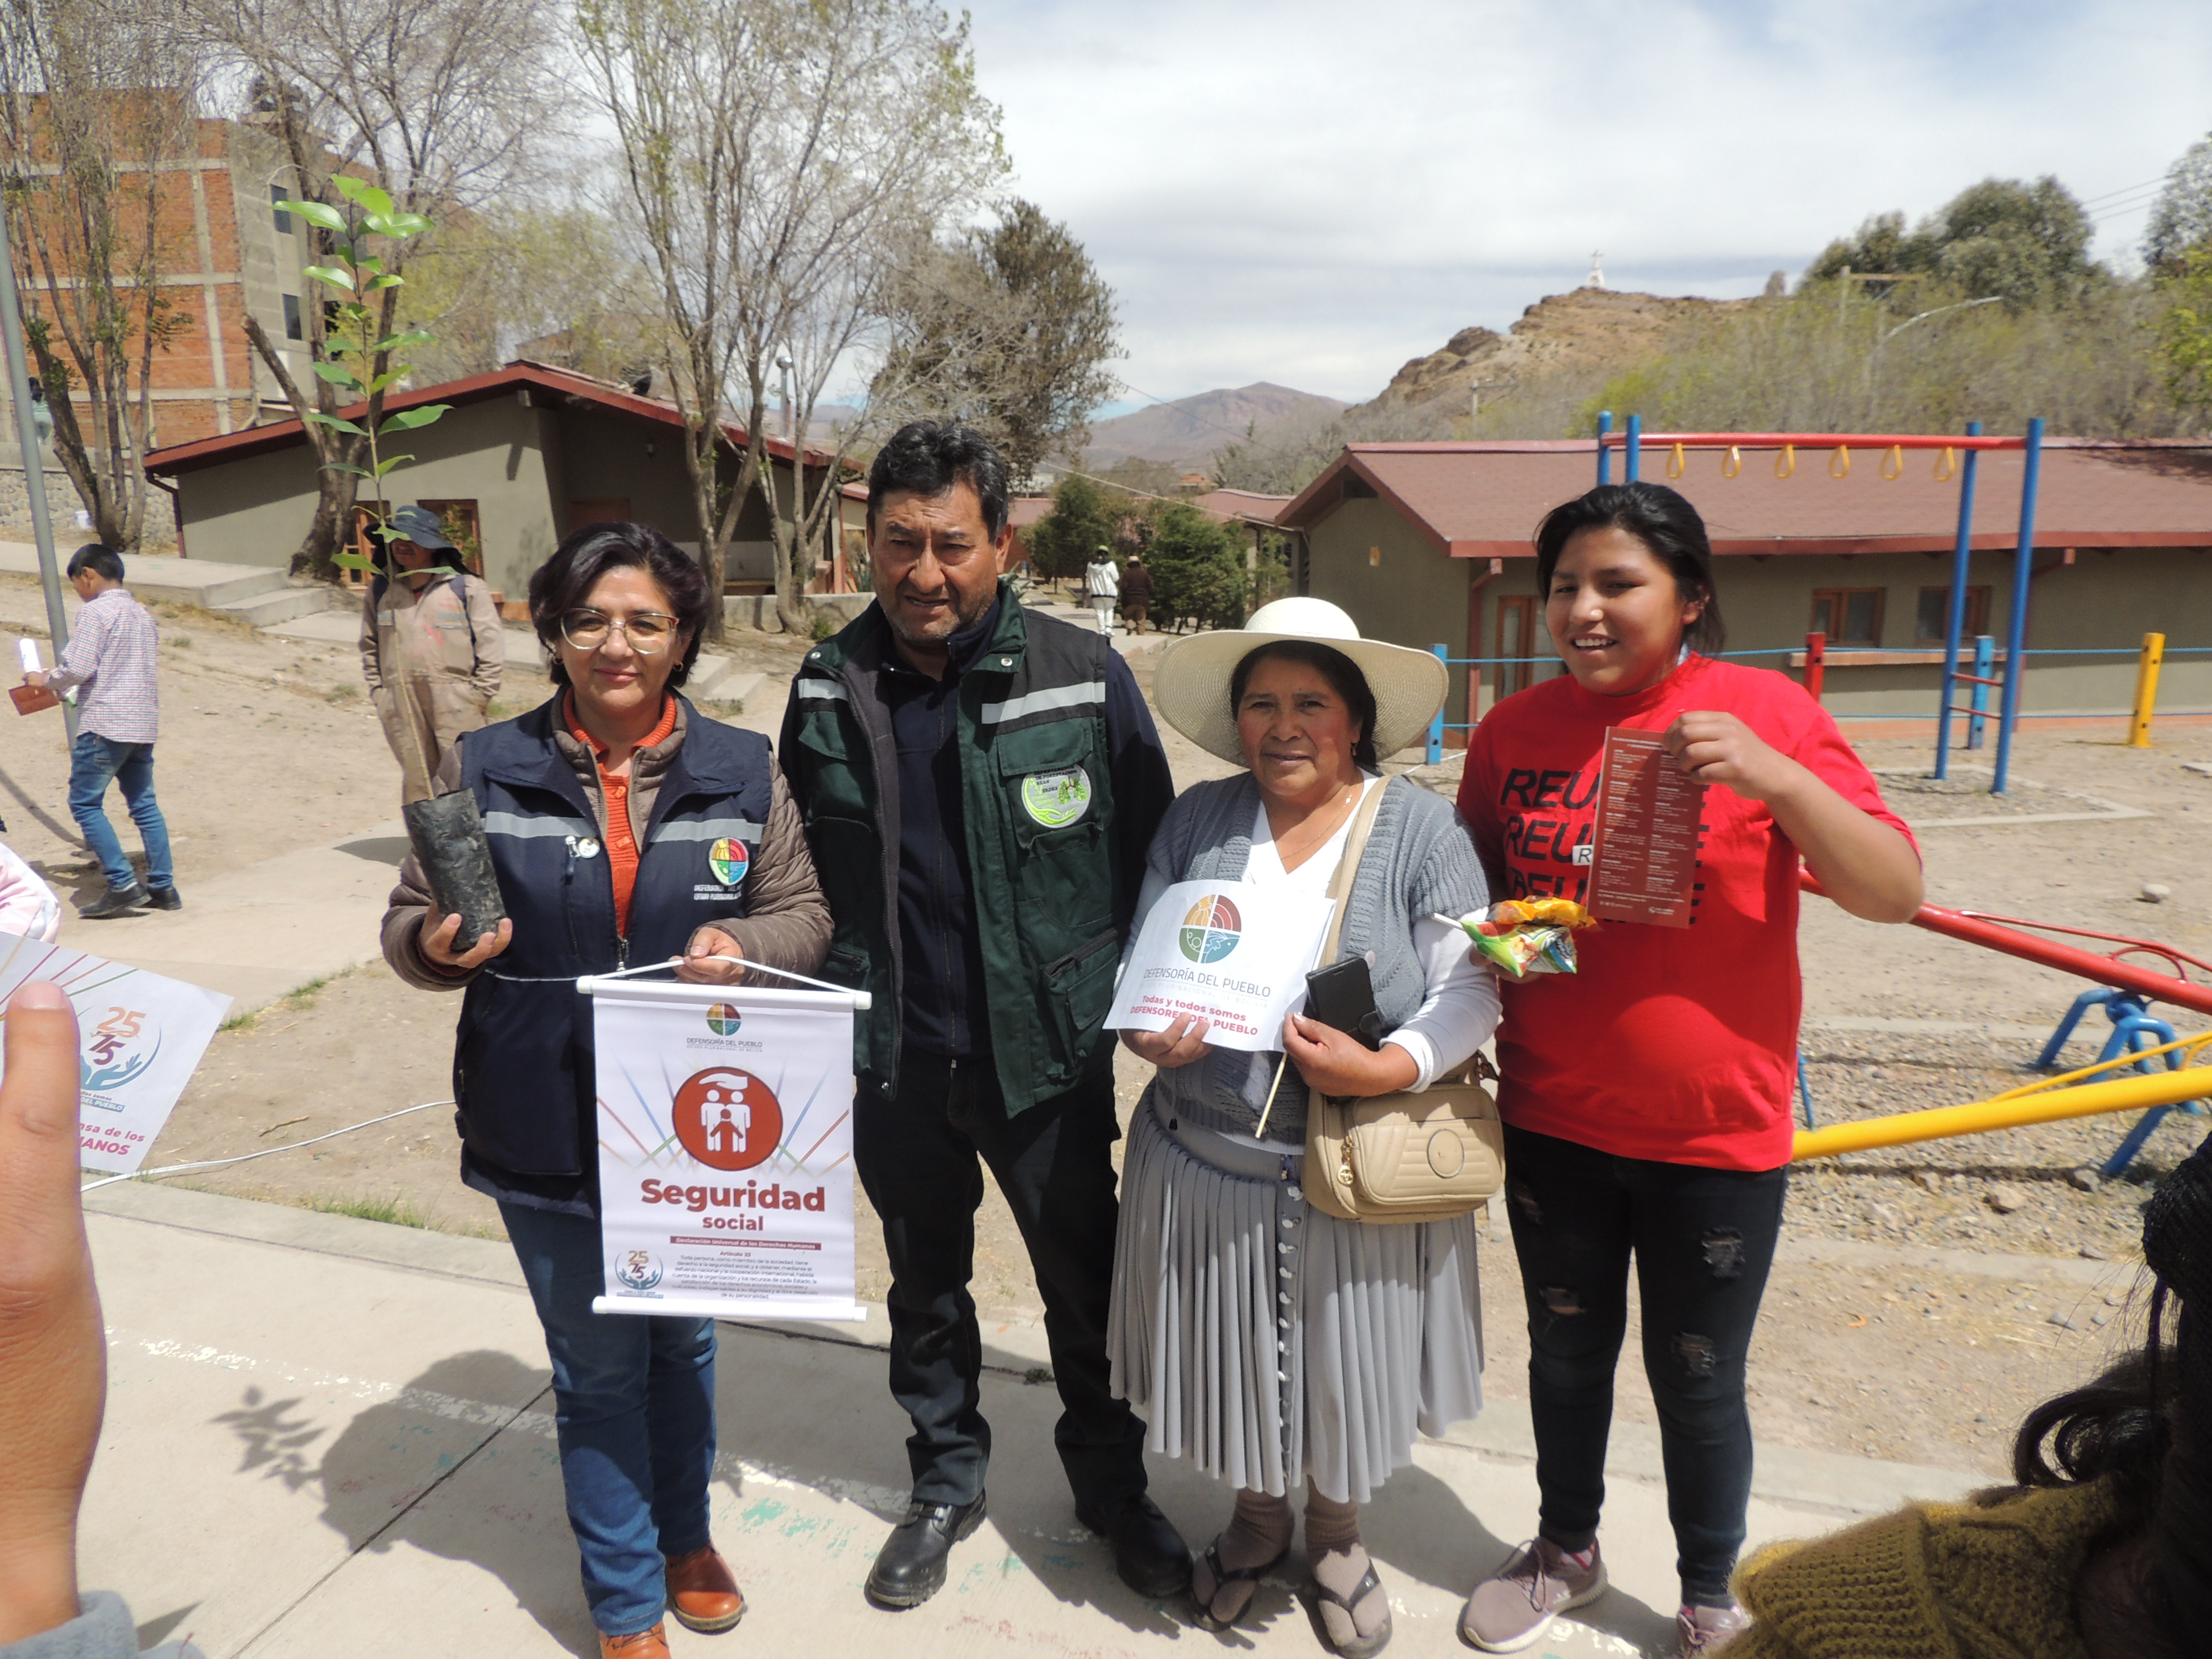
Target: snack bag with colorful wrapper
(1520, 936)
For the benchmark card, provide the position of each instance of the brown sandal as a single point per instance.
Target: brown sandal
(1223, 1578)
(1358, 1647)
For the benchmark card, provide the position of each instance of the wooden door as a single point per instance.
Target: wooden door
(462, 527)
(1517, 637)
(600, 509)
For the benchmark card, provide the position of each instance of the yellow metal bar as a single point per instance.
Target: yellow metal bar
(2009, 1111)
(2154, 652)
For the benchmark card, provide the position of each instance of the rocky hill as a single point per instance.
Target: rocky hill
(1590, 330)
(1187, 432)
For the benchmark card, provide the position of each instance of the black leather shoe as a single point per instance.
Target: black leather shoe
(116, 902)
(1148, 1551)
(164, 898)
(910, 1567)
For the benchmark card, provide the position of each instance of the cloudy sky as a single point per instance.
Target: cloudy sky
(1311, 191)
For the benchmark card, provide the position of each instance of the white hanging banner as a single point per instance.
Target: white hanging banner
(140, 1036)
(1227, 953)
(726, 1150)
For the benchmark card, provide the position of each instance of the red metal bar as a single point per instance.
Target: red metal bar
(1816, 664)
(1808, 441)
(2067, 958)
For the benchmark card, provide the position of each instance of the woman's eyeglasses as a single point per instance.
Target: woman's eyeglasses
(648, 632)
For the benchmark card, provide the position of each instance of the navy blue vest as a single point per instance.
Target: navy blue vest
(524, 1076)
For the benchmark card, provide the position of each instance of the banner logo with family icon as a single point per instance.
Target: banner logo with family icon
(726, 1186)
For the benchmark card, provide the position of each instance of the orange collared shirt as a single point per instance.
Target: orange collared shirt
(622, 845)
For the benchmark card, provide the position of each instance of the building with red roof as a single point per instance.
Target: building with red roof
(1432, 544)
(525, 455)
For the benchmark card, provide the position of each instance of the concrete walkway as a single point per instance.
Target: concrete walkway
(327, 1436)
(261, 934)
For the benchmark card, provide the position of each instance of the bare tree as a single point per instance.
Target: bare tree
(1010, 328)
(97, 102)
(778, 156)
(443, 104)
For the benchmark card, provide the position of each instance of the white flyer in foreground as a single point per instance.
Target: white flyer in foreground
(1231, 954)
(142, 1037)
(726, 1150)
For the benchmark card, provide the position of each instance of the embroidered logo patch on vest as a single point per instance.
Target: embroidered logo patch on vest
(1056, 799)
(728, 860)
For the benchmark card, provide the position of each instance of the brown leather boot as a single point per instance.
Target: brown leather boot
(646, 1644)
(702, 1592)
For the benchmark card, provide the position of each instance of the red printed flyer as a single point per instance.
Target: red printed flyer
(1646, 855)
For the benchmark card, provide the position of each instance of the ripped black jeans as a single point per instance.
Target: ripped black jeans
(1703, 1241)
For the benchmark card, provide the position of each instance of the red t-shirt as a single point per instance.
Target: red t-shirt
(1677, 1044)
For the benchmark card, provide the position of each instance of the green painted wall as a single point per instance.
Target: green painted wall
(256, 510)
(1413, 596)
(2103, 600)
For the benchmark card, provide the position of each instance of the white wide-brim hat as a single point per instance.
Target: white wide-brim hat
(1191, 686)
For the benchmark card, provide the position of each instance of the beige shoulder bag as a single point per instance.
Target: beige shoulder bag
(1399, 1156)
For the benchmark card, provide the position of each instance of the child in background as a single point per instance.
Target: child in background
(1646, 1097)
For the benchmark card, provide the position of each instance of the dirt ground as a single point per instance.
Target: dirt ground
(1871, 1354)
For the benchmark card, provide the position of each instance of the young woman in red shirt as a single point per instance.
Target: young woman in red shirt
(1647, 1096)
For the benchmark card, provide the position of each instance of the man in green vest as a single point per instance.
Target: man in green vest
(981, 785)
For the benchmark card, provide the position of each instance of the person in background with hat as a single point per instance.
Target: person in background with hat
(432, 648)
(979, 782)
(1320, 1372)
(1136, 593)
(1103, 581)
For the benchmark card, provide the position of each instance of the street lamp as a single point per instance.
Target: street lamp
(790, 435)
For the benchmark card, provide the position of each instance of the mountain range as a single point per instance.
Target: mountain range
(1188, 432)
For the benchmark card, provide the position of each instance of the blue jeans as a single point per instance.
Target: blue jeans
(634, 1399)
(93, 760)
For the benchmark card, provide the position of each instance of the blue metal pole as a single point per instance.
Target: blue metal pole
(2023, 567)
(1436, 726)
(1634, 469)
(1985, 663)
(1955, 623)
(1604, 455)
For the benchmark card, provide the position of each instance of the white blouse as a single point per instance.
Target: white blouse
(1460, 1009)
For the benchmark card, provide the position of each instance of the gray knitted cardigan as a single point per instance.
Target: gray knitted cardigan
(1419, 861)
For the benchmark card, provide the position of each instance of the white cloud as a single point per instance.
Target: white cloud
(1311, 192)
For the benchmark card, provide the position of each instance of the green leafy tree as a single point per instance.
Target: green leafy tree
(1197, 566)
(2027, 243)
(2181, 217)
(358, 359)
(2186, 332)
(1082, 520)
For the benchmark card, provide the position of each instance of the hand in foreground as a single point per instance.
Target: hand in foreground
(1716, 748)
(35, 677)
(436, 940)
(696, 966)
(1337, 1063)
(54, 1355)
(1180, 1044)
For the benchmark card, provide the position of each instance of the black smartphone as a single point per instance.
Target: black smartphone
(1343, 995)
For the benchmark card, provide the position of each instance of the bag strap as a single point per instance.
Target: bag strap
(1347, 867)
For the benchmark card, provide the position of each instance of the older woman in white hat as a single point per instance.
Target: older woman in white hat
(1270, 1343)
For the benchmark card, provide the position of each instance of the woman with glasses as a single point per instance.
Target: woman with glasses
(625, 828)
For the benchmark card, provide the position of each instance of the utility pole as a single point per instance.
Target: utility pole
(34, 463)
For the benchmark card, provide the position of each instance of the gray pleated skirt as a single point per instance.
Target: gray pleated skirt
(1271, 1344)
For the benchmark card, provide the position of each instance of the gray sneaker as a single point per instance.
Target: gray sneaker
(1513, 1608)
(1707, 1630)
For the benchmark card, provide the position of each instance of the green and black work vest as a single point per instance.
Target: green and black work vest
(1036, 795)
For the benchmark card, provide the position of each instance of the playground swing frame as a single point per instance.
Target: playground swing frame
(1632, 442)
